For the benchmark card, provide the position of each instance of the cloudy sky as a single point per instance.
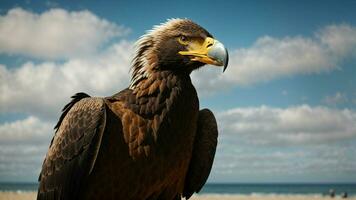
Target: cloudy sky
(286, 105)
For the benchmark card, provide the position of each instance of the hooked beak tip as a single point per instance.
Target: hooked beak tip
(226, 60)
(219, 53)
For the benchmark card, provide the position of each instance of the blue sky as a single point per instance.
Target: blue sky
(285, 106)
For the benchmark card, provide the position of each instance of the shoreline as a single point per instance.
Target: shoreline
(31, 195)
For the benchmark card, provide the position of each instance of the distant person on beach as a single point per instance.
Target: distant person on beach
(344, 195)
(332, 193)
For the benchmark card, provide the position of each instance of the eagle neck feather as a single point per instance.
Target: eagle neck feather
(151, 106)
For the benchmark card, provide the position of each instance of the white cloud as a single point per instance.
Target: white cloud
(55, 33)
(270, 164)
(43, 89)
(300, 143)
(209, 80)
(338, 98)
(271, 58)
(29, 130)
(339, 39)
(299, 125)
(23, 146)
(21, 162)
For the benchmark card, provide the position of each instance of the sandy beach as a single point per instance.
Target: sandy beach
(18, 195)
(32, 196)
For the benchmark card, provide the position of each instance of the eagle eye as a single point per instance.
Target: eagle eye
(183, 39)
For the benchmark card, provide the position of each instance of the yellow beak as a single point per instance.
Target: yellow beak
(211, 51)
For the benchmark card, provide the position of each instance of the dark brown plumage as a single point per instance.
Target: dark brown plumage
(149, 141)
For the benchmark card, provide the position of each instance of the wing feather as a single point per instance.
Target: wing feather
(74, 148)
(203, 153)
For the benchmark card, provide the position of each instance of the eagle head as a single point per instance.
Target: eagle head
(177, 45)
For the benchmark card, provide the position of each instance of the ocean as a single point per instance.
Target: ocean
(237, 188)
(279, 189)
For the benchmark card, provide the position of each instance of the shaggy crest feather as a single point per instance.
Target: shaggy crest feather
(141, 68)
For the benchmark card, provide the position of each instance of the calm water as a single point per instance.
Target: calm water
(245, 189)
(300, 189)
(18, 186)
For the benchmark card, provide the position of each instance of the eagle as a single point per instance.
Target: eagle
(148, 141)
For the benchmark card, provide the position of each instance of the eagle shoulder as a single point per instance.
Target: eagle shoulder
(203, 153)
(74, 148)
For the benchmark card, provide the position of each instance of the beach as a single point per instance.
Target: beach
(32, 196)
(18, 195)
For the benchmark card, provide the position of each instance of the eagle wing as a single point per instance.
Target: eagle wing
(203, 153)
(74, 148)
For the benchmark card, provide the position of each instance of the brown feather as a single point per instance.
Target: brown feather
(75, 141)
